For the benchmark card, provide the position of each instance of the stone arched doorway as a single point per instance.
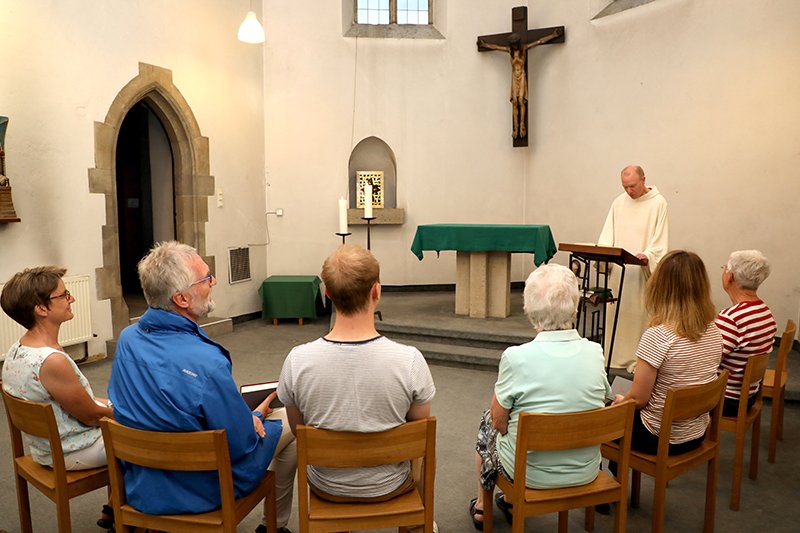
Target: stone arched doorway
(192, 182)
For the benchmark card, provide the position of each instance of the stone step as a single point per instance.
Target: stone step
(461, 356)
(409, 334)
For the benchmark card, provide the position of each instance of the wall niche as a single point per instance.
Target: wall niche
(373, 154)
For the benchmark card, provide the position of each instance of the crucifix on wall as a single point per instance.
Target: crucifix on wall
(516, 44)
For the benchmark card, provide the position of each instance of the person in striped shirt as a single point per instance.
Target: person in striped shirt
(682, 347)
(747, 327)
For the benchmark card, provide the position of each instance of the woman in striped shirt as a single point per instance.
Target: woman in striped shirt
(681, 347)
(747, 327)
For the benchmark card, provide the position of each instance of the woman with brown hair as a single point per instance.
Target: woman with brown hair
(681, 347)
(36, 368)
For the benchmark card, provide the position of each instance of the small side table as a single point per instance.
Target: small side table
(291, 297)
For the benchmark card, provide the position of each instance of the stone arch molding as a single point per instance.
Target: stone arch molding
(193, 182)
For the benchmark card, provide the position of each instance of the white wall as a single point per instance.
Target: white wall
(63, 63)
(704, 95)
(440, 106)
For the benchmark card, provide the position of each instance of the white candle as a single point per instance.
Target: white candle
(368, 201)
(342, 215)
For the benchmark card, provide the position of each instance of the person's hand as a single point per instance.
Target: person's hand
(258, 426)
(264, 407)
(642, 257)
(617, 399)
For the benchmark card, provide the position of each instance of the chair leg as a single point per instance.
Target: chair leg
(736, 483)
(271, 508)
(621, 516)
(773, 428)
(488, 510)
(62, 510)
(588, 519)
(781, 406)
(659, 504)
(24, 505)
(711, 495)
(563, 522)
(755, 439)
(636, 486)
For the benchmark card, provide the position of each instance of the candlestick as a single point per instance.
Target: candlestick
(369, 241)
(343, 236)
(368, 201)
(342, 217)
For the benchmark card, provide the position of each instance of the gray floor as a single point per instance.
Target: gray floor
(259, 348)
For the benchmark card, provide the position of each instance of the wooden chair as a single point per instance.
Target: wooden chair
(56, 483)
(774, 386)
(409, 441)
(744, 419)
(540, 431)
(191, 451)
(681, 404)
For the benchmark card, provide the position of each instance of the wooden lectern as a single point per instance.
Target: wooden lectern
(580, 258)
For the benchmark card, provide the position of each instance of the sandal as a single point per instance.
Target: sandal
(504, 506)
(106, 523)
(474, 512)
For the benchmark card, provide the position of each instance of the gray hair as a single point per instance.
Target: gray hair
(749, 268)
(551, 298)
(164, 271)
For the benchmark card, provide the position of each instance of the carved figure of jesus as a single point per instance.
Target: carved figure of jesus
(519, 76)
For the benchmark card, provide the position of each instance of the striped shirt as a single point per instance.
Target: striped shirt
(679, 362)
(747, 328)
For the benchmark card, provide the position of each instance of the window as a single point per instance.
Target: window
(382, 12)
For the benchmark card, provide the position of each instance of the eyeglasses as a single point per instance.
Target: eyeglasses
(209, 279)
(66, 295)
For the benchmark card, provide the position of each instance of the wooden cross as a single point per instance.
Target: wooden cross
(516, 44)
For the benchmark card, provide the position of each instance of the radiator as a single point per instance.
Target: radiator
(74, 331)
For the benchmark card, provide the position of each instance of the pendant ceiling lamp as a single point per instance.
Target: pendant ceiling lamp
(251, 30)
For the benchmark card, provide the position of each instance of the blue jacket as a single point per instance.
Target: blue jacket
(169, 376)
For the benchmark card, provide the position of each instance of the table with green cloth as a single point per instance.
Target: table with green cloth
(291, 297)
(483, 260)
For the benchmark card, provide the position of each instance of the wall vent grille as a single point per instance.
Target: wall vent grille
(238, 265)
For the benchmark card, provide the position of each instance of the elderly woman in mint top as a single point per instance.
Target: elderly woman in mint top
(557, 372)
(36, 368)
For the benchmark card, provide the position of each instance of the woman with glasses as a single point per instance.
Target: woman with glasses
(36, 368)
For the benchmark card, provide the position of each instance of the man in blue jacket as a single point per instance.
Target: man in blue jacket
(168, 375)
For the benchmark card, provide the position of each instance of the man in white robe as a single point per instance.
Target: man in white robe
(637, 222)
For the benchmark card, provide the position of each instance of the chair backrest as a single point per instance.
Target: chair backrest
(36, 419)
(188, 451)
(567, 431)
(412, 440)
(787, 339)
(753, 373)
(689, 402)
(320, 447)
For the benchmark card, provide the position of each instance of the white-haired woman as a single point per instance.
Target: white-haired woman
(557, 372)
(747, 326)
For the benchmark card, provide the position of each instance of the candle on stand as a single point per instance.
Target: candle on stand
(342, 215)
(368, 201)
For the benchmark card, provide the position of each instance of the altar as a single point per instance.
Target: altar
(483, 260)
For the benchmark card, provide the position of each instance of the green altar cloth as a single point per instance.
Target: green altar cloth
(291, 297)
(525, 238)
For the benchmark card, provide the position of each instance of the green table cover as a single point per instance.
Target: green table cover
(522, 238)
(291, 297)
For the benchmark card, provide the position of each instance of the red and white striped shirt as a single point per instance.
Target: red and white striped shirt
(748, 328)
(680, 362)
